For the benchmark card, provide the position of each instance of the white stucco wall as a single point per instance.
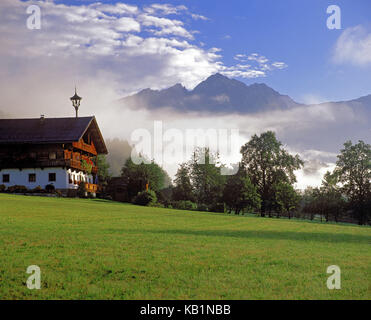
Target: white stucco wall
(20, 177)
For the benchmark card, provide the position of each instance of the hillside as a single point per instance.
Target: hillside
(95, 249)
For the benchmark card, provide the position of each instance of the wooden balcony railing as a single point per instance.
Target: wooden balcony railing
(85, 147)
(77, 165)
(91, 187)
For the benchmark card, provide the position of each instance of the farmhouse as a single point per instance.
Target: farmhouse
(61, 152)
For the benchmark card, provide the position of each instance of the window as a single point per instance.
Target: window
(52, 177)
(32, 177)
(52, 156)
(6, 178)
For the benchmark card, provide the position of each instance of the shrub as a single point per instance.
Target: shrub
(17, 189)
(38, 189)
(157, 205)
(59, 193)
(202, 207)
(2, 187)
(184, 205)
(81, 190)
(90, 195)
(49, 188)
(217, 207)
(145, 198)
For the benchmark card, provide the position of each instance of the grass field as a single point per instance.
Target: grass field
(95, 249)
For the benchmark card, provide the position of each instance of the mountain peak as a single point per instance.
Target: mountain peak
(177, 86)
(217, 93)
(217, 76)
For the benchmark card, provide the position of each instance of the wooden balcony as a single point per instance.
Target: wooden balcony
(85, 147)
(74, 161)
(76, 164)
(91, 187)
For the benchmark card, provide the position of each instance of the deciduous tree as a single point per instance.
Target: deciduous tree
(287, 198)
(268, 163)
(239, 193)
(353, 169)
(183, 189)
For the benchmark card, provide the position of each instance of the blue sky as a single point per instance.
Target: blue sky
(290, 31)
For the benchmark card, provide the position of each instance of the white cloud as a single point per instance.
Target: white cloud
(311, 98)
(279, 65)
(118, 8)
(127, 24)
(152, 50)
(199, 17)
(353, 46)
(312, 179)
(165, 26)
(165, 9)
(261, 67)
(169, 9)
(241, 72)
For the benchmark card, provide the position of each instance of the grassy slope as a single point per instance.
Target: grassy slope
(104, 250)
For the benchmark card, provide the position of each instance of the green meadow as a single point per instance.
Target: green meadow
(96, 249)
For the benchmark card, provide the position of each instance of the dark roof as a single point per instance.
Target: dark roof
(50, 130)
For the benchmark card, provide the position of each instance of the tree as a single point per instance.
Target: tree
(206, 178)
(103, 168)
(141, 176)
(333, 201)
(287, 198)
(183, 187)
(145, 198)
(268, 163)
(327, 200)
(239, 193)
(353, 170)
(308, 202)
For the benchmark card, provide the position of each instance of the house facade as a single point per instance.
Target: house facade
(61, 152)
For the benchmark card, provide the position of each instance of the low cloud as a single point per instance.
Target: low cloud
(316, 133)
(221, 98)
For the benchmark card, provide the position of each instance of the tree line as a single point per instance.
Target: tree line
(263, 183)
